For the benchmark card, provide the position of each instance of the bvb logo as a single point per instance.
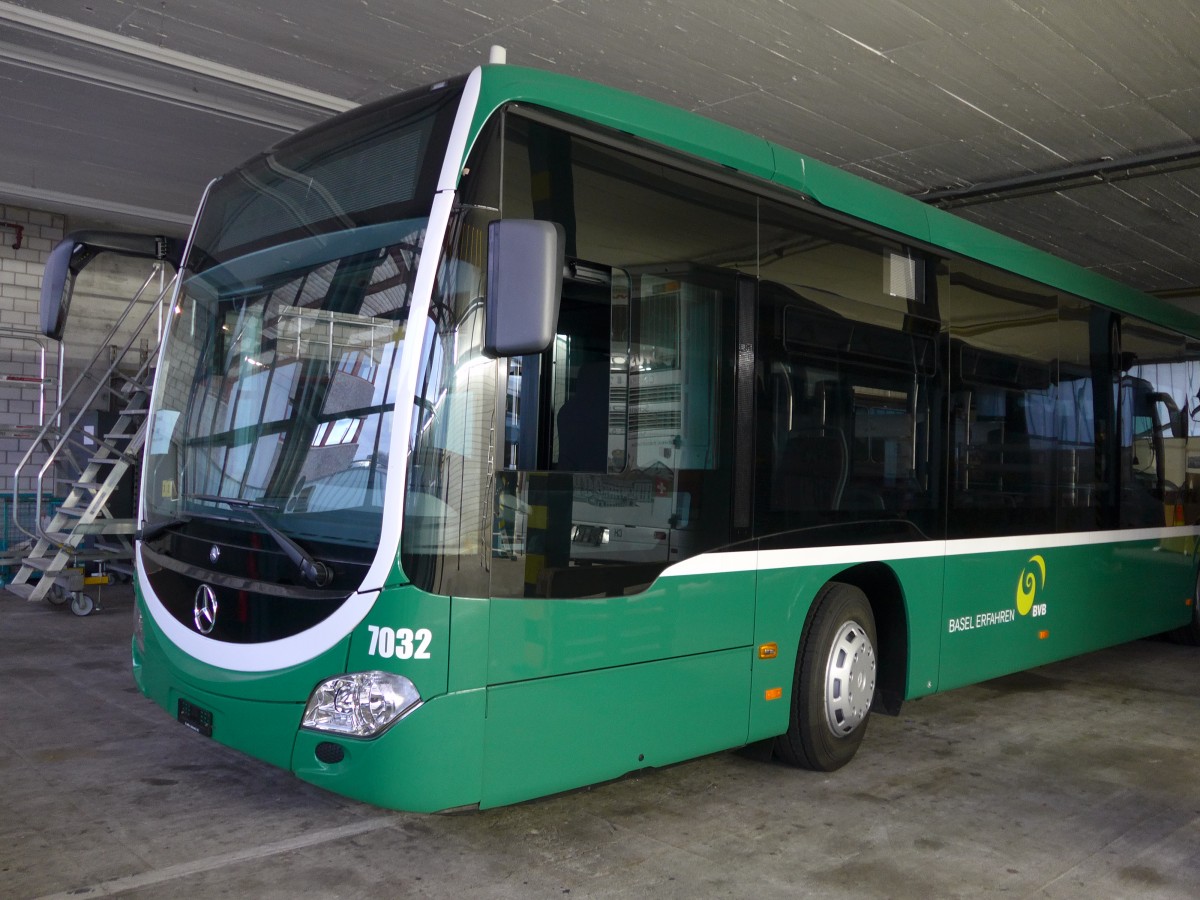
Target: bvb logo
(1028, 584)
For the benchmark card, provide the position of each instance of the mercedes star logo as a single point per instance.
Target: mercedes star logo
(204, 609)
(214, 554)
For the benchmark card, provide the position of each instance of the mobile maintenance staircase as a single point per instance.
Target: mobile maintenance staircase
(83, 534)
(43, 378)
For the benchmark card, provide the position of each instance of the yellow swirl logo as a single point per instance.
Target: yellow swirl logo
(1028, 584)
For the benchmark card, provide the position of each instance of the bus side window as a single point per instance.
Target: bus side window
(560, 405)
(1158, 469)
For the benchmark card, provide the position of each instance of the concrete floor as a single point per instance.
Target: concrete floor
(1077, 780)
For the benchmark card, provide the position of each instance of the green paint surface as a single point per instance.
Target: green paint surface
(536, 638)
(416, 643)
(553, 734)
(1091, 596)
(428, 761)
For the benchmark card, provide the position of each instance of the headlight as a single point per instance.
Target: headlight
(361, 704)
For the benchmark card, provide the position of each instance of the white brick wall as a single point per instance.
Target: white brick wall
(20, 282)
(101, 294)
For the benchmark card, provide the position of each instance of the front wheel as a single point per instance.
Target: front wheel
(834, 683)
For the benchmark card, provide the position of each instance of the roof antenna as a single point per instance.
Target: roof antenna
(497, 55)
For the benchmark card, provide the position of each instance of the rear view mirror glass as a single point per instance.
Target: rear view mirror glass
(524, 287)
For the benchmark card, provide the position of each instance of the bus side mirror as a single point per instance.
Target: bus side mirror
(58, 280)
(75, 251)
(524, 286)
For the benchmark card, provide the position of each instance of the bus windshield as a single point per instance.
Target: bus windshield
(275, 394)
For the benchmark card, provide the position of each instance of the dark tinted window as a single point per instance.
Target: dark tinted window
(1004, 376)
(618, 440)
(848, 387)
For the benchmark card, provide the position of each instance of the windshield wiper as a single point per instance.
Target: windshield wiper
(150, 532)
(312, 569)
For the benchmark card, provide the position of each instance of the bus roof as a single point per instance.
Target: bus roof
(828, 186)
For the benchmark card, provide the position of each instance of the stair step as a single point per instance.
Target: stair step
(21, 590)
(115, 549)
(107, 526)
(117, 441)
(12, 556)
(97, 555)
(81, 530)
(75, 558)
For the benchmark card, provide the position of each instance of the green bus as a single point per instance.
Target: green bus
(515, 433)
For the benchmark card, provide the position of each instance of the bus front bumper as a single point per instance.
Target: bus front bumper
(430, 760)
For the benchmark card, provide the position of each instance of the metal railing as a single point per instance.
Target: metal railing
(43, 379)
(67, 436)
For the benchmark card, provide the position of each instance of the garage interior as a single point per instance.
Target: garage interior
(1072, 126)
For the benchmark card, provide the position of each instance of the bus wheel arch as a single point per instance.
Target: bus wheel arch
(850, 660)
(886, 597)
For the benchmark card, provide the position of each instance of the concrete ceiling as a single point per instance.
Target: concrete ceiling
(122, 110)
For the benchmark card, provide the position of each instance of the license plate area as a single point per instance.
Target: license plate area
(195, 717)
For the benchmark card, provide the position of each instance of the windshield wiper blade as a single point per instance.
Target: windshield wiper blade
(150, 532)
(313, 570)
(239, 502)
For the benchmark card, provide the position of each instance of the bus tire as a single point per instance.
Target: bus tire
(834, 682)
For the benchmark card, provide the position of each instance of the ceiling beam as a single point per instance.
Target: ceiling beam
(158, 89)
(1102, 171)
(91, 207)
(121, 47)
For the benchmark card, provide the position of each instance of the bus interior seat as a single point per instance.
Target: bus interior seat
(812, 474)
(583, 422)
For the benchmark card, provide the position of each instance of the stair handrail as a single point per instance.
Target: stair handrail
(33, 335)
(155, 306)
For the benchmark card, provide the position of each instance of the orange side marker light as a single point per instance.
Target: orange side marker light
(773, 693)
(768, 651)
(1042, 635)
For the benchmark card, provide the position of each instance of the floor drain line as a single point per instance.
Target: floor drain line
(183, 870)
